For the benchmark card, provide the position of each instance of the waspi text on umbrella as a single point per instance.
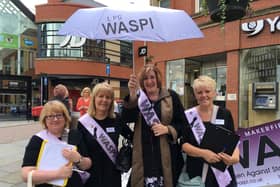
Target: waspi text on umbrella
(117, 26)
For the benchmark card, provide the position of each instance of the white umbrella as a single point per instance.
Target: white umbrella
(131, 23)
(146, 23)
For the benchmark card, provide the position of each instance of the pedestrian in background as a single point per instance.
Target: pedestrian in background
(55, 120)
(83, 101)
(158, 115)
(204, 115)
(60, 93)
(101, 129)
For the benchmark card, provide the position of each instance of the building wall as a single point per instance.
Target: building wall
(43, 11)
(80, 67)
(77, 67)
(230, 40)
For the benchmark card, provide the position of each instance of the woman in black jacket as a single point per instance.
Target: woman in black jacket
(205, 115)
(55, 120)
(159, 116)
(101, 129)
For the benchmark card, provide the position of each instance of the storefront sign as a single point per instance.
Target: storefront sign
(8, 41)
(14, 84)
(142, 51)
(28, 42)
(259, 155)
(255, 27)
(231, 97)
(73, 42)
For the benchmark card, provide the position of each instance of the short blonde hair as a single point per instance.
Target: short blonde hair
(204, 80)
(54, 106)
(101, 87)
(85, 89)
(143, 73)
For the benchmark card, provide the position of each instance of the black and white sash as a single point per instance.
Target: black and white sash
(146, 109)
(198, 129)
(101, 136)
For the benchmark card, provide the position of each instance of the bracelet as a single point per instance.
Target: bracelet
(79, 161)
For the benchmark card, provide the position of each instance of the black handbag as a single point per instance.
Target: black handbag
(124, 158)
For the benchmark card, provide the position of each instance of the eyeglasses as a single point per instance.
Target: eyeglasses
(58, 116)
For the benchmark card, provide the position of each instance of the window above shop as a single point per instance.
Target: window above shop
(7, 7)
(53, 45)
(17, 14)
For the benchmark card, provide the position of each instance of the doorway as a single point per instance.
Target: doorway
(15, 97)
(192, 71)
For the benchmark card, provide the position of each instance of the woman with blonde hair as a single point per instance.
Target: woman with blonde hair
(55, 120)
(101, 129)
(206, 115)
(83, 101)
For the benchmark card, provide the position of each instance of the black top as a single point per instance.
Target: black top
(103, 171)
(151, 143)
(33, 148)
(195, 164)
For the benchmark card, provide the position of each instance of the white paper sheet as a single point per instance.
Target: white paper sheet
(51, 158)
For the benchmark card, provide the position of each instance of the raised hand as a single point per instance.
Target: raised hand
(133, 86)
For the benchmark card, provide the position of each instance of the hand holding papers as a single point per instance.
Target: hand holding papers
(51, 158)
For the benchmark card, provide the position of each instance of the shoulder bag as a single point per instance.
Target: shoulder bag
(124, 158)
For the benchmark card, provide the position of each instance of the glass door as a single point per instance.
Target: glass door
(15, 97)
(12, 106)
(192, 71)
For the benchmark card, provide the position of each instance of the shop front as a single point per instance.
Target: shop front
(180, 75)
(15, 97)
(245, 62)
(18, 43)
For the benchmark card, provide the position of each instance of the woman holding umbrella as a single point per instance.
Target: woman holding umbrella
(158, 115)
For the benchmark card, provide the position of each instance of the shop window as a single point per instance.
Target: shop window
(217, 71)
(165, 3)
(219, 74)
(198, 6)
(175, 72)
(126, 52)
(257, 65)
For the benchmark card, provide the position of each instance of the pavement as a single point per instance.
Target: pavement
(14, 135)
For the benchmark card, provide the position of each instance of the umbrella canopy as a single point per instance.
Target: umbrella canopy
(134, 23)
